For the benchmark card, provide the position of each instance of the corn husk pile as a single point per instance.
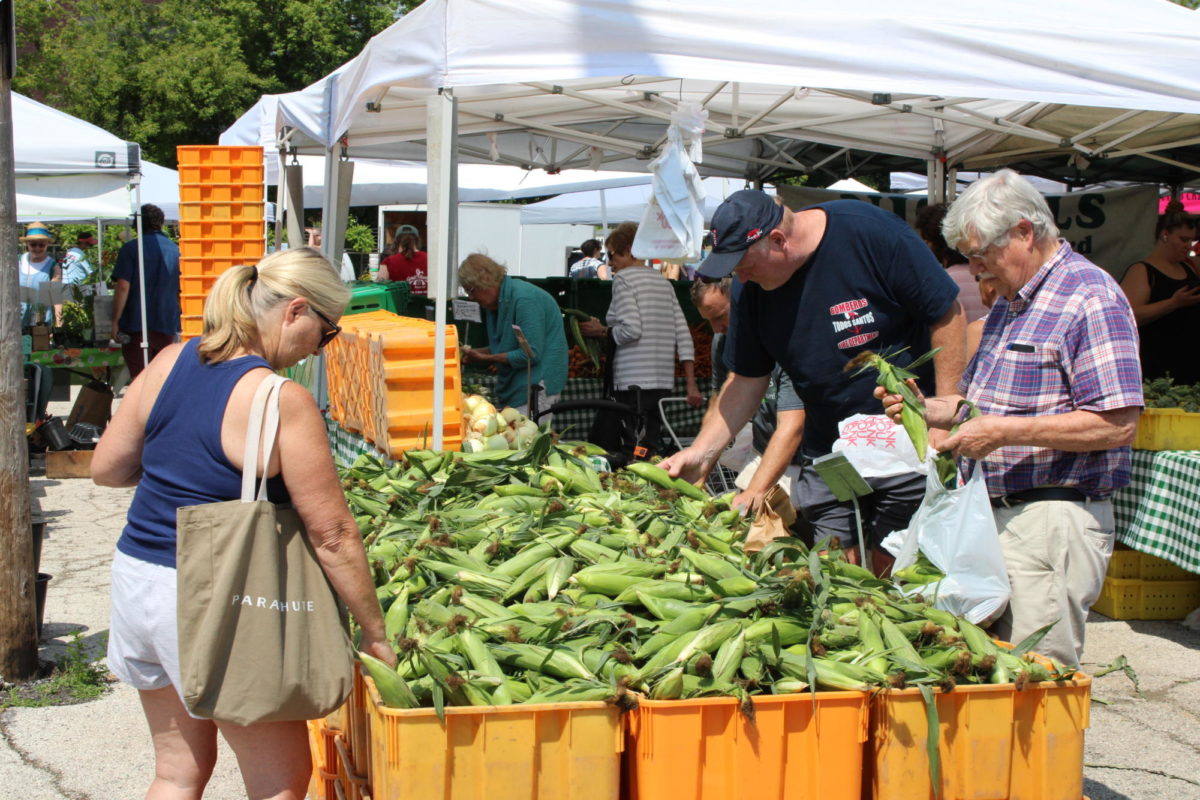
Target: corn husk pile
(528, 577)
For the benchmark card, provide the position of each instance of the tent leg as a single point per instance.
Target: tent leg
(137, 192)
(443, 234)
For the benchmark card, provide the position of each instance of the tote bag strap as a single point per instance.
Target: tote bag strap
(261, 427)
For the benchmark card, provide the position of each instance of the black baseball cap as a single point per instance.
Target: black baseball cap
(743, 219)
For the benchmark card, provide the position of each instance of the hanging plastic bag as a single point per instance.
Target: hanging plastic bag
(956, 531)
(876, 446)
(672, 226)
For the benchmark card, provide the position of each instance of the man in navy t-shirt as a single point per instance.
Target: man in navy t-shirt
(824, 284)
(161, 266)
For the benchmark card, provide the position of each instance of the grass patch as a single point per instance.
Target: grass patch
(74, 678)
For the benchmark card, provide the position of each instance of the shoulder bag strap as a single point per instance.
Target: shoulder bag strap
(264, 416)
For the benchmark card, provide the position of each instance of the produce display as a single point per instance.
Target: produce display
(1165, 393)
(489, 429)
(528, 577)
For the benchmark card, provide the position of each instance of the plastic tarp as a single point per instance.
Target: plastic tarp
(566, 83)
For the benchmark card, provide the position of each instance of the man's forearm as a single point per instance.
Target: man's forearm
(739, 398)
(950, 334)
(789, 431)
(1073, 432)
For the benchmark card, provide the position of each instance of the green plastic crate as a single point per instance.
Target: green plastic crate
(366, 297)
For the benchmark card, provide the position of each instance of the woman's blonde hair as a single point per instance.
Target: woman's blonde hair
(243, 295)
(478, 271)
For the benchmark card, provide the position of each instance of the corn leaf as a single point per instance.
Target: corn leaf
(931, 745)
(1032, 640)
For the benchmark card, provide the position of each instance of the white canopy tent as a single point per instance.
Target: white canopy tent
(612, 206)
(379, 183)
(68, 170)
(796, 85)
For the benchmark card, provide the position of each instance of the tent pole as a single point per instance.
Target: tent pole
(281, 206)
(100, 249)
(137, 193)
(329, 204)
(442, 231)
(603, 216)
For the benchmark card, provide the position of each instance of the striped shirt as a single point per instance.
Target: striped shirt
(1068, 342)
(648, 327)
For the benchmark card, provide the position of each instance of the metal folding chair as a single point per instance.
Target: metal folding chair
(721, 479)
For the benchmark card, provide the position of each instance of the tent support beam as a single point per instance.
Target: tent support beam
(1112, 145)
(443, 237)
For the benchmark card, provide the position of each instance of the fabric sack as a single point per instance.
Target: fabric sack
(262, 635)
(956, 530)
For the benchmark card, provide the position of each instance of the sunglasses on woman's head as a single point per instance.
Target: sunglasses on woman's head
(328, 335)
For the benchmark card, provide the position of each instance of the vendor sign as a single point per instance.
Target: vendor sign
(1112, 228)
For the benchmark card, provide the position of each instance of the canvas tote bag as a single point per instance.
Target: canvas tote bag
(262, 636)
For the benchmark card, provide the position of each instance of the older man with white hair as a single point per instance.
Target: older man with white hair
(1059, 385)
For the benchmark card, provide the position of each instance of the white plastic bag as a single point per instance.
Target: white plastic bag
(672, 226)
(877, 447)
(956, 531)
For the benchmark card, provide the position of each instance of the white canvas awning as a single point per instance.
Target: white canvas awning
(797, 85)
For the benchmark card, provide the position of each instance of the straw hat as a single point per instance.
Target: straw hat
(37, 231)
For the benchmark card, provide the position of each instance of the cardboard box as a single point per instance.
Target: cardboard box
(69, 463)
(41, 337)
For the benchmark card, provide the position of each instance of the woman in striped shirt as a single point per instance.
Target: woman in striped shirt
(648, 330)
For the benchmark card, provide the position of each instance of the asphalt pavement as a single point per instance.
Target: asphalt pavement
(1139, 747)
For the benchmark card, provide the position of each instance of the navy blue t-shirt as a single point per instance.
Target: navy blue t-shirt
(162, 284)
(871, 284)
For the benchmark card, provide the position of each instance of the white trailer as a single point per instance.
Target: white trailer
(532, 251)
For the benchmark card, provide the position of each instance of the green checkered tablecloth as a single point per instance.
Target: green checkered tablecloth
(347, 446)
(683, 419)
(1159, 512)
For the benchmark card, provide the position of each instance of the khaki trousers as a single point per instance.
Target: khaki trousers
(1056, 552)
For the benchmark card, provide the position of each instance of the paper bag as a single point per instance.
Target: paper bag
(771, 520)
(93, 406)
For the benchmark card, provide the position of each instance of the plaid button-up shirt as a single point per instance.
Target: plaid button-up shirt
(1067, 342)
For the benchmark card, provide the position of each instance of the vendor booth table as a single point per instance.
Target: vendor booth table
(1159, 512)
(77, 357)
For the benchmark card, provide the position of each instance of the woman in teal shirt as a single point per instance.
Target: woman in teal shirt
(508, 302)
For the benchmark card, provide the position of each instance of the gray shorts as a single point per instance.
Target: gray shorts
(143, 638)
(887, 509)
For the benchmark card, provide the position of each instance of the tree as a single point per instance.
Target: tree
(178, 72)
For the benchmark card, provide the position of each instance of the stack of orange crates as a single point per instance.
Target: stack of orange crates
(380, 376)
(221, 220)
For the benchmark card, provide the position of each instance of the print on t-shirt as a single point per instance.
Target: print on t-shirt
(846, 316)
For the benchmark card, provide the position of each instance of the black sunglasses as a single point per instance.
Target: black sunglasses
(329, 335)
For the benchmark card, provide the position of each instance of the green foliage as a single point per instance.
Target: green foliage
(74, 679)
(178, 72)
(359, 238)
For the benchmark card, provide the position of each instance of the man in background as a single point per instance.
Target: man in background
(161, 266)
(75, 265)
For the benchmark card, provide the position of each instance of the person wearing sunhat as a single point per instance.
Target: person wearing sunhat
(76, 267)
(408, 262)
(822, 285)
(37, 266)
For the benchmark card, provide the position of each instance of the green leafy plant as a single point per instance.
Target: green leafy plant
(359, 238)
(75, 678)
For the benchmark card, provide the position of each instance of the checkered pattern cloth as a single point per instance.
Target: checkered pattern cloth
(1159, 512)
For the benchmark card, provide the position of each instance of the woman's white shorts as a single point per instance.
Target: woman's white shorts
(143, 638)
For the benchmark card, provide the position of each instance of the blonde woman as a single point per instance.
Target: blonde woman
(178, 436)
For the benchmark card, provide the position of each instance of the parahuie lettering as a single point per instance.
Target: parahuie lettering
(271, 604)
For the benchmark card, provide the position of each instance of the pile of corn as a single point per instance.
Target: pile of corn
(528, 577)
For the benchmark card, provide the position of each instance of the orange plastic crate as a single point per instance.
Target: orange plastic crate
(995, 743)
(221, 193)
(215, 212)
(325, 760)
(221, 229)
(237, 251)
(551, 751)
(218, 155)
(191, 325)
(192, 305)
(195, 284)
(208, 268)
(249, 176)
(797, 747)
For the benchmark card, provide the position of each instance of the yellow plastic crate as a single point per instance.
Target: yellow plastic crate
(796, 747)
(518, 752)
(995, 743)
(1168, 429)
(324, 757)
(1128, 563)
(1129, 598)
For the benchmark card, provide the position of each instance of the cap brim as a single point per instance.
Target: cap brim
(718, 265)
